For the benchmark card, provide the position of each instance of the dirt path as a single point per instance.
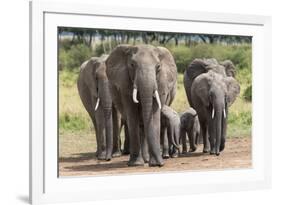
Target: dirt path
(237, 154)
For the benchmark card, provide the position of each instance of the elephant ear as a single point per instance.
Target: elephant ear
(87, 73)
(233, 90)
(166, 80)
(117, 65)
(229, 68)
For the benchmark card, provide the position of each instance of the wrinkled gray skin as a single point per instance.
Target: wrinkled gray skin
(142, 70)
(170, 126)
(189, 126)
(199, 66)
(93, 85)
(212, 94)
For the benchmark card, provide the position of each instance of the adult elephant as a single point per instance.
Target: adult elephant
(196, 68)
(211, 95)
(95, 95)
(142, 79)
(199, 66)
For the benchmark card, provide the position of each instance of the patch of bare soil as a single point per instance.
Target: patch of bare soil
(237, 154)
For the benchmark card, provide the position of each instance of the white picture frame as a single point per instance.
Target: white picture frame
(46, 187)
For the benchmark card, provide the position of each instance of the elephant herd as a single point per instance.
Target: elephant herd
(134, 86)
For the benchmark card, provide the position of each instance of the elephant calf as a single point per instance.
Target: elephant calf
(170, 132)
(95, 95)
(189, 125)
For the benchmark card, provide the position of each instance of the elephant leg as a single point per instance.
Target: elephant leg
(183, 139)
(212, 139)
(136, 158)
(144, 146)
(108, 132)
(154, 141)
(165, 143)
(205, 137)
(100, 134)
(126, 149)
(116, 120)
(196, 134)
(191, 139)
(174, 150)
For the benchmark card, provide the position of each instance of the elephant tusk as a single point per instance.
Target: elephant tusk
(97, 104)
(135, 91)
(224, 114)
(157, 99)
(213, 113)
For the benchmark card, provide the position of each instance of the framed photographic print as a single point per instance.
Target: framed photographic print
(126, 103)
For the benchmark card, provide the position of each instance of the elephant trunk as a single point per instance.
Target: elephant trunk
(106, 103)
(224, 128)
(219, 127)
(147, 88)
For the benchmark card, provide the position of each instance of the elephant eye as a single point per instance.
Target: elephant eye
(133, 64)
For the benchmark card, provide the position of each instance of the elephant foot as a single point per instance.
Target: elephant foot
(205, 150)
(145, 158)
(154, 163)
(135, 161)
(166, 156)
(192, 149)
(101, 155)
(212, 152)
(125, 152)
(221, 148)
(116, 154)
(184, 152)
(175, 155)
(108, 157)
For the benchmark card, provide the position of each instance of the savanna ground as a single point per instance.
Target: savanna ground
(77, 143)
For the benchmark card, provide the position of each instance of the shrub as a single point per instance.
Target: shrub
(240, 118)
(77, 55)
(241, 56)
(72, 58)
(182, 56)
(202, 50)
(248, 93)
(72, 122)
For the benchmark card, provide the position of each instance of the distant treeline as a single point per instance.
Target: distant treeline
(76, 45)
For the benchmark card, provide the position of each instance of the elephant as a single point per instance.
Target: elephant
(142, 79)
(189, 125)
(94, 92)
(170, 125)
(196, 68)
(211, 95)
(199, 66)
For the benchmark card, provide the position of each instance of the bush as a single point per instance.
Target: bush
(202, 50)
(68, 78)
(248, 93)
(73, 58)
(241, 56)
(240, 118)
(72, 122)
(182, 56)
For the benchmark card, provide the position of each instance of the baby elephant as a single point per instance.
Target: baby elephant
(170, 132)
(189, 125)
